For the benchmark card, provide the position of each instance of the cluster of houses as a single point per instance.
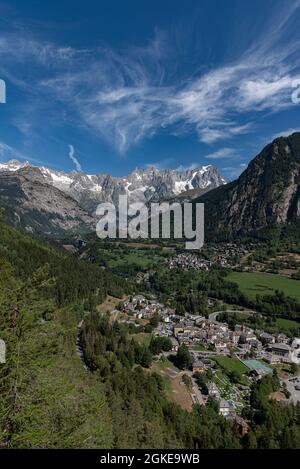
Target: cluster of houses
(215, 337)
(224, 256)
(186, 261)
(140, 307)
(208, 337)
(193, 330)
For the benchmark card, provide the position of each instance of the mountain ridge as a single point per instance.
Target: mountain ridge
(266, 193)
(140, 185)
(40, 208)
(45, 201)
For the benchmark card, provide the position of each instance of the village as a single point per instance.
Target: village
(222, 256)
(209, 342)
(214, 336)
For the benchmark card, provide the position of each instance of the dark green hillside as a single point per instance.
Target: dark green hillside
(49, 400)
(141, 415)
(267, 193)
(75, 280)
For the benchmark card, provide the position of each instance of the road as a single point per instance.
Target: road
(196, 394)
(208, 353)
(213, 316)
(116, 315)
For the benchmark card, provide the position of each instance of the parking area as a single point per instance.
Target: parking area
(293, 386)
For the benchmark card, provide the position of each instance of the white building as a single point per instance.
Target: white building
(295, 353)
(226, 408)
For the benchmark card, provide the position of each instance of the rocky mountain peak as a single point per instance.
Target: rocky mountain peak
(142, 185)
(266, 193)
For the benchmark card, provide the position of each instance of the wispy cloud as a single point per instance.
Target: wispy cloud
(222, 153)
(75, 160)
(7, 152)
(285, 133)
(190, 167)
(166, 163)
(233, 172)
(127, 95)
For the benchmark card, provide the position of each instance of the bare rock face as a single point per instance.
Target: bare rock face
(140, 186)
(38, 207)
(46, 201)
(267, 193)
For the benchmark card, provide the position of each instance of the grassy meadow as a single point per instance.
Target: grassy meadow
(256, 283)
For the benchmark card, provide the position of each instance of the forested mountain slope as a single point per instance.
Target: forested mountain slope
(46, 398)
(267, 192)
(49, 400)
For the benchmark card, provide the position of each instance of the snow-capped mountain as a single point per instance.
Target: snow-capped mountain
(141, 185)
(13, 165)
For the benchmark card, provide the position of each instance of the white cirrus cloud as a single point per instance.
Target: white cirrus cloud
(125, 96)
(285, 133)
(221, 154)
(8, 152)
(74, 159)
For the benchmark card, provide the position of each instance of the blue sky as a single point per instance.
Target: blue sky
(108, 86)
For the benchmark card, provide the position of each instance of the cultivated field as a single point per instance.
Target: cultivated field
(139, 258)
(252, 284)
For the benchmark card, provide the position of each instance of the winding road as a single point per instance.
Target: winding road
(213, 316)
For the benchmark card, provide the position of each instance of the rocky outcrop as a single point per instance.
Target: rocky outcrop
(38, 207)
